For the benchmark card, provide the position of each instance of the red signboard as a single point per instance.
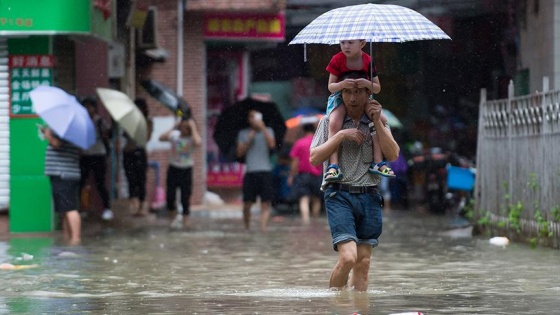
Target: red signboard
(225, 175)
(245, 26)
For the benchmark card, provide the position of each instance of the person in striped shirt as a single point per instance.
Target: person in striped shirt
(62, 166)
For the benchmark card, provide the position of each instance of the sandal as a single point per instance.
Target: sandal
(376, 169)
(333, 173)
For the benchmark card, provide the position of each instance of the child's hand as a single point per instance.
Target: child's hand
(348, 84)
(363, 83)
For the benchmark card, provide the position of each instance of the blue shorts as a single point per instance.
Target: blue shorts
(354, 217)
(333, 102)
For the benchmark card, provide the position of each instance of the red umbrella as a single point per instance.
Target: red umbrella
(294, 124)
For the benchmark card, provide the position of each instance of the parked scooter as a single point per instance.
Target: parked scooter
(432, 167)
(461, 176)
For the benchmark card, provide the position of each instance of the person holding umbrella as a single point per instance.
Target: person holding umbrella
(353, 204)
(135, 162)
(94, 159)
(62, 165)
(70, 129)
(255, 143)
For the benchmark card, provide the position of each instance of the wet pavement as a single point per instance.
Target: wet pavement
(140, 266)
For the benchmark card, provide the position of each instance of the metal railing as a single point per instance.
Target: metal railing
(518, 165)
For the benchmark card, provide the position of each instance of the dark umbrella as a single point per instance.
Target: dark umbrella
(167, 97)
(234, 118)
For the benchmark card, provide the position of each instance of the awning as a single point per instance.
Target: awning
(50, 17)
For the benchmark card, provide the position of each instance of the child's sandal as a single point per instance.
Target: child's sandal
(376, 169)
(333, 173)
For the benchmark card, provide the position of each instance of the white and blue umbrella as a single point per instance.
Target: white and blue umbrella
(64, 115)
(377, 23)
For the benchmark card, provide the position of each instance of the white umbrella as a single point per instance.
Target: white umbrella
(64, 115)
(125, 113)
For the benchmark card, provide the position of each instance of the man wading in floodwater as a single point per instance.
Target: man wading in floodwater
(353, 204)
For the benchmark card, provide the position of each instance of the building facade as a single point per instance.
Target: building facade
(62, 43)
(207, 46)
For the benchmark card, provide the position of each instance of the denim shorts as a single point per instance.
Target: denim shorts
(354, 217)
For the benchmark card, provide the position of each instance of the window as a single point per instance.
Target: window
(146, 36)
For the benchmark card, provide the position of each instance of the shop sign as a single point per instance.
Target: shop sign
(225, 175)
(18, 16)
(245, 26)
(26, 73)
(90, 17)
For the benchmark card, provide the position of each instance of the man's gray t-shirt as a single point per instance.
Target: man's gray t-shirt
(354, 159)
(257, 158)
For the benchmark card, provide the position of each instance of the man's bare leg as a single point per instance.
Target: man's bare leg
(65, 227)
(74, 226)
(315, 206)
(247, 214)
(347, 255)
(304, 209)
(265, 214)
(359, 279)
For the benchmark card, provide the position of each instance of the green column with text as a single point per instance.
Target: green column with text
(30, 192)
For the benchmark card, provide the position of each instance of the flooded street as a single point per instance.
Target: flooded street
(217, 268)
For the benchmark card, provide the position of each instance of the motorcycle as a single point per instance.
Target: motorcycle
(460, 181)
(432, 167)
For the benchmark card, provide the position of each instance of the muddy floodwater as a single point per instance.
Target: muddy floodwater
(218, 268)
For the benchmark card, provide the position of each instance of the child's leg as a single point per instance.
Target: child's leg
(378, 166)
(377, 154)
(336, 118)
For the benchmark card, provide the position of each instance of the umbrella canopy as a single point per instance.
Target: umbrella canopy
(294, 124)
(125, 113)
(64, 115)
(392, 120)
(234, 118)
(372, 22)
(301, 120)
(167, 97)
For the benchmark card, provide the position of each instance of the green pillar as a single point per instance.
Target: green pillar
(30, 193)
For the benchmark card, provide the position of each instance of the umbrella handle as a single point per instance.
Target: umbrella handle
(371, 65)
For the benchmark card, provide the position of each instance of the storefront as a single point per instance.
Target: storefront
(43, 43)
(229, 39)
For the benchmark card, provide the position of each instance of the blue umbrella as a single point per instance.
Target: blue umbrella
(64, 115)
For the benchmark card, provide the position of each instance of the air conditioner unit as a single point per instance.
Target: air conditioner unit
(146, 37)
